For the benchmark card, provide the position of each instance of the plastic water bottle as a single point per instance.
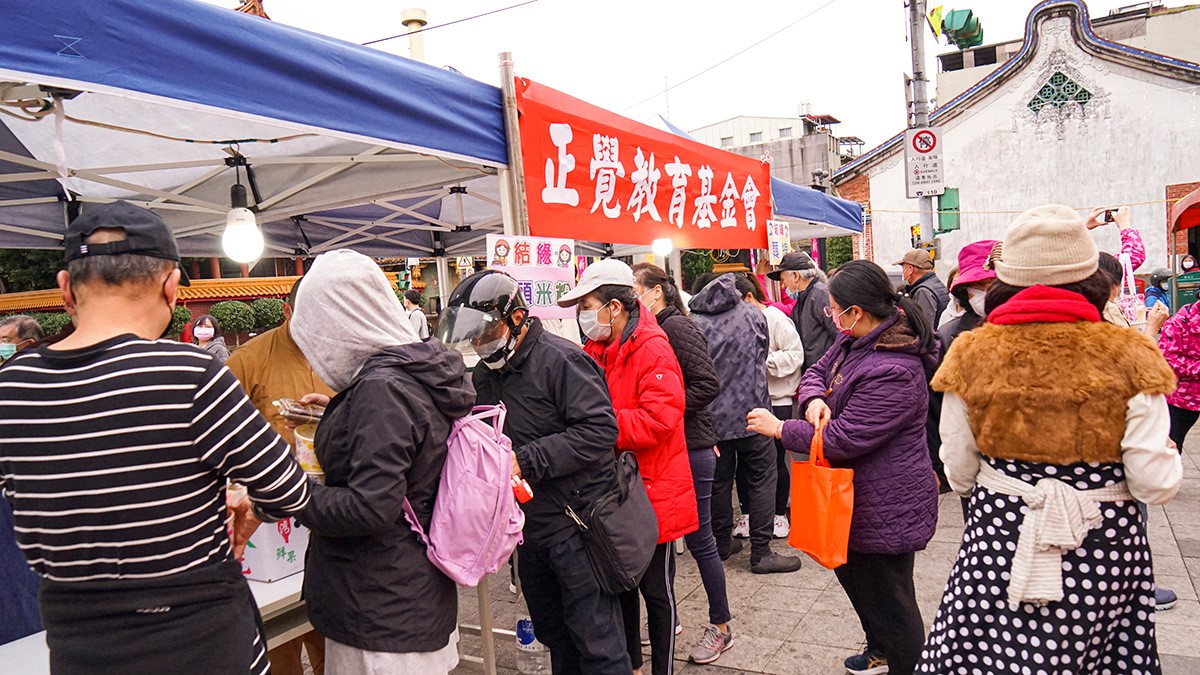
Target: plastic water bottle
(532, 656)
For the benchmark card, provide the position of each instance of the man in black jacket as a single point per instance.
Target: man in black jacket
(922, 285)
(805, 283)
(563, 430)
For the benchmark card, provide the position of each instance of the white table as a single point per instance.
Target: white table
(283, 613)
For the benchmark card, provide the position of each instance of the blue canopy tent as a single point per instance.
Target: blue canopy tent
(168, 103)
(812, 213)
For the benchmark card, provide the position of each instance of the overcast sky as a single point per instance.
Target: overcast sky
(846, 59)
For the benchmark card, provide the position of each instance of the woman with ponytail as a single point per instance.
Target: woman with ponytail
(657, 291)
(870, 393)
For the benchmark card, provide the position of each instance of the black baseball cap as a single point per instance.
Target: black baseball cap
(145, 234)
(795, 261)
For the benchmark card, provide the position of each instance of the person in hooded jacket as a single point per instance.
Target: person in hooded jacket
(657, 291)
(561, 423)
(870, 394)
(647, 392)
(370, 589)
(739, 343)
(805, 283)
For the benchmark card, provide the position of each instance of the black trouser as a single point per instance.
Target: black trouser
(880, 587)
(1182, 421)
(755, 456)
(783, 471)
(658, 588)
(578, 622)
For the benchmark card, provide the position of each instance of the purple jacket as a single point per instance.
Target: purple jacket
(876, 387)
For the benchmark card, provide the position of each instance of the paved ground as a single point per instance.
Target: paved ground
(801, 623)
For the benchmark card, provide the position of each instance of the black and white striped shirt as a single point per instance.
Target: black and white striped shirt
(116, 458)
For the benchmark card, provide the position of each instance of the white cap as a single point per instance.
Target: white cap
(607, 272)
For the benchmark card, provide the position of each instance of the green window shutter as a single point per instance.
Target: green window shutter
(948, 218)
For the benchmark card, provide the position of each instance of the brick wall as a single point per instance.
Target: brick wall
(1178, 241)
(858, 189)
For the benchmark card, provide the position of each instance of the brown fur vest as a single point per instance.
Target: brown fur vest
(1053, 393)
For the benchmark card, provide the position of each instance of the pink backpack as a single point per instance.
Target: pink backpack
(476, 520)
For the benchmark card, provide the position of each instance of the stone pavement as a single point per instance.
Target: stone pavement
(802, 623)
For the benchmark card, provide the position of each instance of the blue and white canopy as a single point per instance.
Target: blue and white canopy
(151, 101)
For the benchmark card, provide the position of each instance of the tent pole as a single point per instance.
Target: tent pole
(512, 179)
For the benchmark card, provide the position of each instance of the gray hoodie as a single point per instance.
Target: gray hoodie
(738, 343)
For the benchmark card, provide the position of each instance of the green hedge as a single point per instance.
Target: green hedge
(179, 318)
(268, 313)
(52, 323)
(234, 316)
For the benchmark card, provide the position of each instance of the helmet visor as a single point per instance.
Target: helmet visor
(460, 327)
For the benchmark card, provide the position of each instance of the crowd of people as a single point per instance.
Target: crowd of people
(1026, 386)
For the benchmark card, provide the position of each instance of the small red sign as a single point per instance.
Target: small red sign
(924, 142)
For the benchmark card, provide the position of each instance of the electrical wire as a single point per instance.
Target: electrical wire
(450, 23)
(728, 58)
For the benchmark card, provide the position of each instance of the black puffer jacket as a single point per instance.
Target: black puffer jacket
(367, 581)
(817, 331)
(700, 383)
(562, 425)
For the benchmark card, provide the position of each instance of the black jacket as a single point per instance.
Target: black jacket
(931, 295)
(700, 383)
(738, 342)
(562, 425)
(367, 581)
(817, 331)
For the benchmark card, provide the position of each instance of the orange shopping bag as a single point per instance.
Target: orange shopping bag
(822, 506)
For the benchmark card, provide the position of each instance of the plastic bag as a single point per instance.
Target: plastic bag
(822, 507)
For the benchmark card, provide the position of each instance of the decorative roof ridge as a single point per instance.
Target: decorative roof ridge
(1081, 26)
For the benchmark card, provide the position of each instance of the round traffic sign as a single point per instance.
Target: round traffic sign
(924, 141)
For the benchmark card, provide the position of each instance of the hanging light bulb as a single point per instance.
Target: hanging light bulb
(662, 247)
(242, 240)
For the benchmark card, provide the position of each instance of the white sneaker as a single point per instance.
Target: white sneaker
(742, 529)
(781, 527)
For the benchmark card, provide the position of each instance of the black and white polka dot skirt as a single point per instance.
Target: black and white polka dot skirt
(1104, 625)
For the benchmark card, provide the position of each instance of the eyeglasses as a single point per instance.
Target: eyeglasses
(830, 313)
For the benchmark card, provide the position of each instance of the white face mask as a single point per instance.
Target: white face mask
(203, 333)
(589, 323)
(976, 298)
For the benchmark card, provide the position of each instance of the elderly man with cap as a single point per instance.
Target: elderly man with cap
(922, 285)
(116, 448)
(805, 283)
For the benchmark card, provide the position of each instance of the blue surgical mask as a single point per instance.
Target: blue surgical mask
(7, 350)
(795, 295)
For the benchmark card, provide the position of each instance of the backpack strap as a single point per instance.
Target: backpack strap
(411, 516)
(497, 413)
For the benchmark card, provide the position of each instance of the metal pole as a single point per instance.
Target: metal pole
(513, 179)
(920, 96)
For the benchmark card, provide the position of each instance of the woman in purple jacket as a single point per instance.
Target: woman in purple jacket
(870, 391)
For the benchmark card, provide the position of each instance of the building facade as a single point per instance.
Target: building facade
(1070, 118)
(803, 149)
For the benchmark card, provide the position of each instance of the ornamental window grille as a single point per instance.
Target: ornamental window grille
(1058, 91)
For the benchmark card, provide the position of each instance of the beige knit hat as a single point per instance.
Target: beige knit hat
(1047, 245)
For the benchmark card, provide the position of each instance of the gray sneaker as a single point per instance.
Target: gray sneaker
(712, 645)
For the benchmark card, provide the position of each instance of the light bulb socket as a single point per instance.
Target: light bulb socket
(237, 196)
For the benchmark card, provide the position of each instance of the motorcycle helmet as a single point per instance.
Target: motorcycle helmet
(477, 313)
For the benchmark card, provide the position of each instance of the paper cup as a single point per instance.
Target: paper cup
(305, 450)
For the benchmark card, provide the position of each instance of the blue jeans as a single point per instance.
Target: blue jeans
(578, 622)
(701, 543)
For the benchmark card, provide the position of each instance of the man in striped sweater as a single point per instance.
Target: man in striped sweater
(115, 450)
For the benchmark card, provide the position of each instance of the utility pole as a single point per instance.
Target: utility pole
(414, 21)
(920, 99)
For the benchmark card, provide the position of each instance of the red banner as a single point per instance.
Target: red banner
(593, 175)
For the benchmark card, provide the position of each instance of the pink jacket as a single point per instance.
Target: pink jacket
(1180, 345)
(1131, 243)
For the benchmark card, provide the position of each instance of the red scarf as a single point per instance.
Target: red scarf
(1044, 304)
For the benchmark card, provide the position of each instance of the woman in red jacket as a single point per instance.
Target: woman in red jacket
(647, 395)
